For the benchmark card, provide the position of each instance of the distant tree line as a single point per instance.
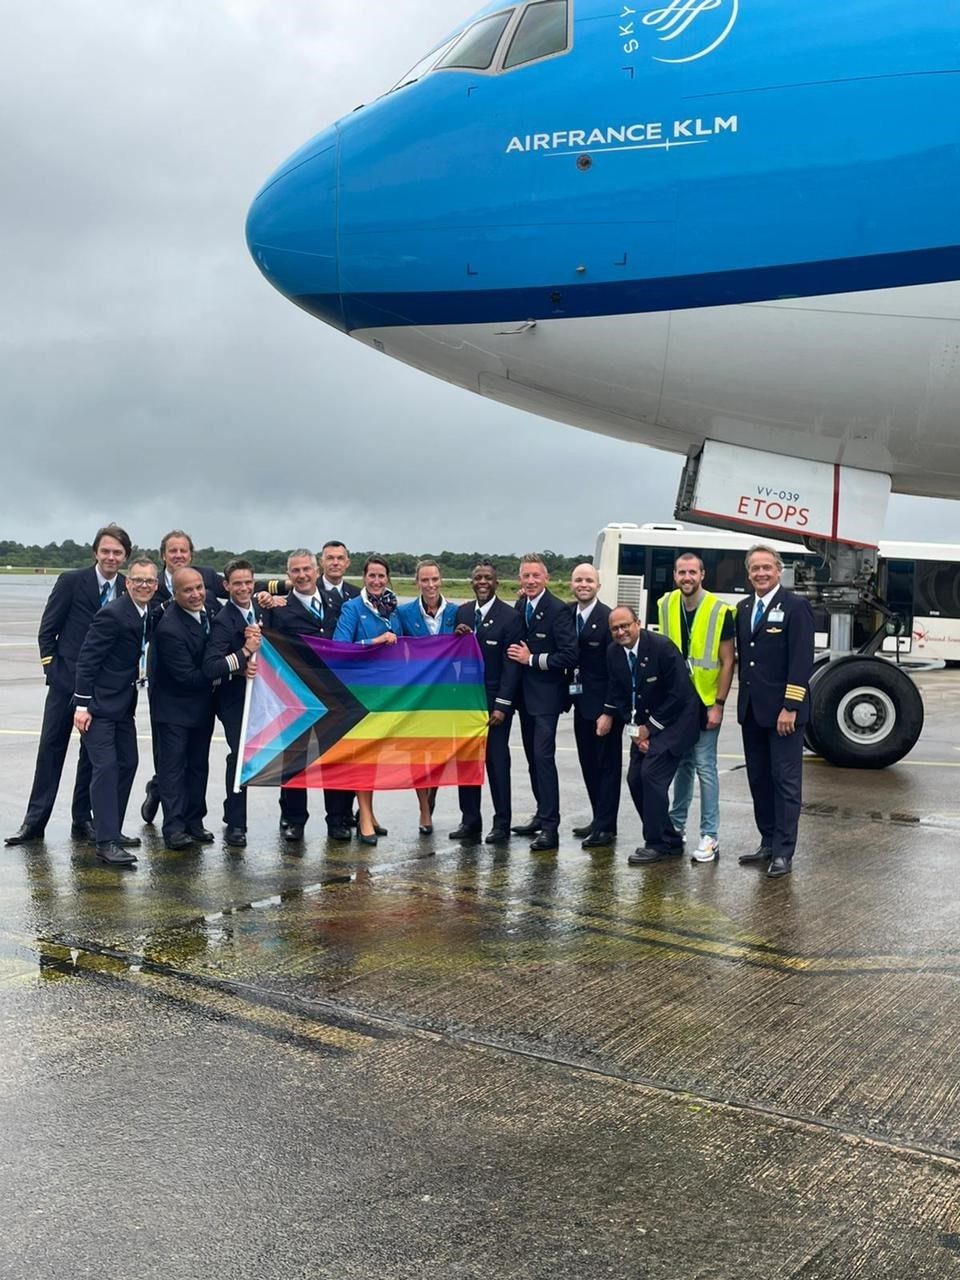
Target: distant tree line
(454, 564)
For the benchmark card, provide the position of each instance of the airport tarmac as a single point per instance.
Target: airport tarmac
(429, 1059)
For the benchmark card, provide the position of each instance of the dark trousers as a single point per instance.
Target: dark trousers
(153, 787)
(774, 772)
(600, 764)
(55, 734)
(234, 802)
(539, 734)
(498, 779)
(182, 771)
(112, 749)
(649, 776)
(338, 806)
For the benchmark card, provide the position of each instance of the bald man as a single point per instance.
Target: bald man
(600, 757)
(181, 707)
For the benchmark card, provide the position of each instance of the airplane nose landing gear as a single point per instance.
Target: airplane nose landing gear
(865, 713)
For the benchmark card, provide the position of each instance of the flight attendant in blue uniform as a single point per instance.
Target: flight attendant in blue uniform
(775, 636)
(370, 618)
(429, 615)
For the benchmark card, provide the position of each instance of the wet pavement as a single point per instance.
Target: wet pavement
(428, 1059)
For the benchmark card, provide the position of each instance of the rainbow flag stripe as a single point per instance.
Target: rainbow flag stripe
(366, 717)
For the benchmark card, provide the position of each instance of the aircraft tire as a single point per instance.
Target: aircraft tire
(810, 738)
(865, 713)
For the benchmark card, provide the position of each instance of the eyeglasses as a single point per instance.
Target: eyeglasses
(142, 582)
(621, 626)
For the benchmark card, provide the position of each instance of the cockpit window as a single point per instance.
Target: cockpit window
(541, 32)
(423, 66)
(478, 44)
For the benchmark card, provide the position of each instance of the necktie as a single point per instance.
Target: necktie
(315, 606)
(250, 617)
(204, 622)
(477, 619)
(528, 612)
(104, 594)
(580, 625)
(757, 614)
(633, 667)
(338, 594)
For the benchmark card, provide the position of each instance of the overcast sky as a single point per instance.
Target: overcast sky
(149, 374)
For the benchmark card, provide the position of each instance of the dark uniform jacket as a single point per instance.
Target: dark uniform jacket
(776, 659)
(500, 628)
(224, 662)
(666, 701)
(591, 669)
(180, 693)
(552, 640)
(295, 619)
(109, 662)
(70, 608)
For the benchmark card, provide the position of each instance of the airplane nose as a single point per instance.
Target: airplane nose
(292, 229)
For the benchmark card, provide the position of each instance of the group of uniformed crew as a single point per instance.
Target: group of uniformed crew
(191, 634)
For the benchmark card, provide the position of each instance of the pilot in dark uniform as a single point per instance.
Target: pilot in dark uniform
(775, 640)
(600, 757)
(181, 706)
(176, 552)
(547, 651)
(110, 669)
(306, 612)
(649, 690)
(75, 599)
(496, 626)
(234, 638)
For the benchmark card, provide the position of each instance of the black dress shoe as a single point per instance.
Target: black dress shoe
(24, 835)
(763, 854)
(652, 853)
(340, 833)
(599, 840)
(465, 832)
(582, 832)
(378, 830)
(292, 831)
(235, 836)
(83, 831)
(179, 840)
(426, 830)
(111, 853)
(497, 835)
(201, 835)
(546, 842)
(128, 842)
(779, 867)
(528, 828)
(150, 807)
(367, 839)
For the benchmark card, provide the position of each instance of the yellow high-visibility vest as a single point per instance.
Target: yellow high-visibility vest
(703, 655)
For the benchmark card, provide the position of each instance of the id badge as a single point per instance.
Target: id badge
(575, 688)
(633, 731)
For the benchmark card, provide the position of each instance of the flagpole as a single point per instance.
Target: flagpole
(247, 693)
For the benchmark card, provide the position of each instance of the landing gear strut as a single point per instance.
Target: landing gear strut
(865, 712)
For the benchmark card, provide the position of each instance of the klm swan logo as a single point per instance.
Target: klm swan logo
(690, 29)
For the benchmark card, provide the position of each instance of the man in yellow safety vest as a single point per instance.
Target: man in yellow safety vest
(702, 627)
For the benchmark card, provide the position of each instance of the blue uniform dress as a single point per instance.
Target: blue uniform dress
(360, 624)
(413, 623)
(775, 661)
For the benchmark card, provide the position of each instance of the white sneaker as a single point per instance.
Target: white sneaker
(708, 850)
